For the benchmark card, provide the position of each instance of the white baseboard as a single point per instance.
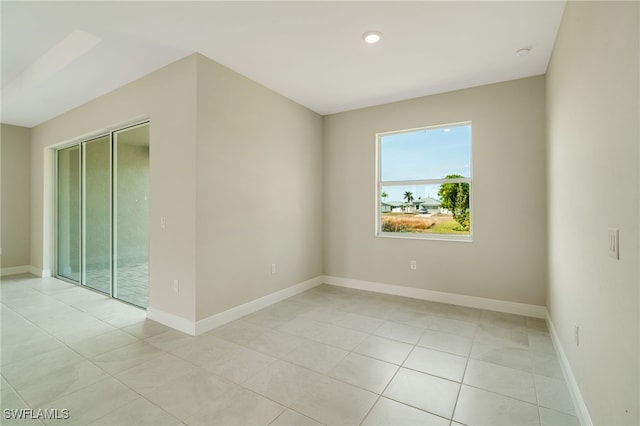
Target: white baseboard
(44, 273)
(15, 270)
(25, 269)
(232, 314)
(438, 296)
(195, 328)
(173, 321)
(574, 390)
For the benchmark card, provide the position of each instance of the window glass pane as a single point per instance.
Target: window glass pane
(426, 154)
(426, 209)
(97, 219)
(131, 233)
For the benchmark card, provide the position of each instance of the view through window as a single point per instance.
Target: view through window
(424, 183)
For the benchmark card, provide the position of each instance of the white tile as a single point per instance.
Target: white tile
(391, 413)
(60, 381)
(503, 320)
(323, 314)
(170, 340)
(273, 316)
(274, 343)
(546, 364)
(401, 332)
(28, 346)
(190, 394)
(238, 407)
(503, 354)
(453, 326)
(137, 413)
(316, 356)
(328, 334)
(461, 313)
(10, 400)
(541, 342)
(145, 329)
(291, 418)
(436, 363)
(239, 331)
(554, 394)
(480, 407)
(146, 377)
(29, 370)
(503, 380)
(410, 317)
(93, 346)
(556, 418)
(201, 349)
(446, 342)
(236, 365)
(384, 349)
(502, 336)
(126, 357)
(537, 324)
(319, 397)
(364, 372)
(92, 402)
(423, 391)
(358, 322)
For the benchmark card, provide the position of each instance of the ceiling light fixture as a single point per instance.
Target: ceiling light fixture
(523, 52)
(372, 37)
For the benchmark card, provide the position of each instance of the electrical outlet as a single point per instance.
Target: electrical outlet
(577, 334)
(176, 286)
(163, 222)
(273, 269)
(413, 265)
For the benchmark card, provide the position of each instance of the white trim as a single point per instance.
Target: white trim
(25, 269)
(572, 384)
(173, 321)
(195, 328)
(234, 313)
(438, 296)
(15, 270)
(43, 273)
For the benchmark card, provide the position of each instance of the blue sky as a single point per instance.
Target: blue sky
(424, 154)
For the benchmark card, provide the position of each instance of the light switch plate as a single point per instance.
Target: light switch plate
(614, 243)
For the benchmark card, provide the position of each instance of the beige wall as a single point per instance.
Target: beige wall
(168, 98)
(259, 192)
(236, 170)
(507, 258)
(15, 152)
(593, 183)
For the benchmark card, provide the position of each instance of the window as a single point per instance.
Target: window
(424, 183)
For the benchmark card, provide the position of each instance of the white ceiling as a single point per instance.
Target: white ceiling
(311, 52)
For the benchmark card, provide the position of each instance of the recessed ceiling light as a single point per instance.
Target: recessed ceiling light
(372, 37)
(523, 52)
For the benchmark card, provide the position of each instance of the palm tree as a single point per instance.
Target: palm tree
(409, 197)
(384, 196)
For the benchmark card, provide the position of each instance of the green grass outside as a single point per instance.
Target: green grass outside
(447, 227)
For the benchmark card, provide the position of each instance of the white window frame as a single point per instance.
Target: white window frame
(380, 184)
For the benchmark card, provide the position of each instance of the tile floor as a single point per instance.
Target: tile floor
(132, 282)
(327, 356)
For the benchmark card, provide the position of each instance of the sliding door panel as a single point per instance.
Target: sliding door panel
(131, 214)
(103, 214)
(68, 215)
(96, 202)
